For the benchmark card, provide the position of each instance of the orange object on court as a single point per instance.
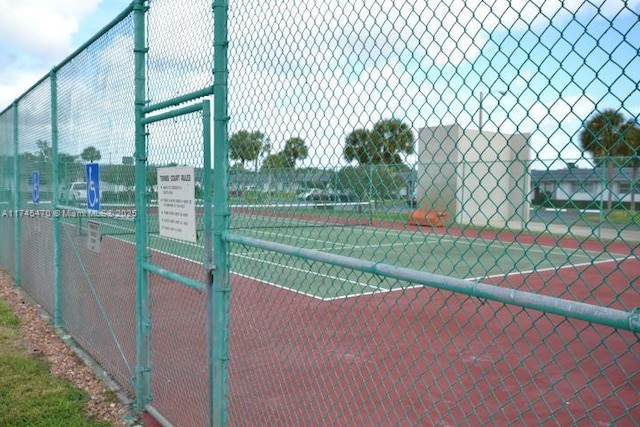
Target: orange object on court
(431, 217)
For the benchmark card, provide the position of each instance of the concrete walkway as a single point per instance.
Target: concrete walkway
(631, 235)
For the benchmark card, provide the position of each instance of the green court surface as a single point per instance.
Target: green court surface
(460, 257)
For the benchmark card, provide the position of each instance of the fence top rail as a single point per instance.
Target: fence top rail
(75, 53)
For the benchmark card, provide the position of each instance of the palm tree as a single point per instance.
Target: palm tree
(247, 146)
(392, 137)
(358, 147)
(603, 138)
(381, 145)
(295, 149)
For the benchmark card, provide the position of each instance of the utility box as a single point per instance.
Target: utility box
(478, 177)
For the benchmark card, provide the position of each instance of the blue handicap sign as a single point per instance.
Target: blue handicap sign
(35, 193)
(93, 186)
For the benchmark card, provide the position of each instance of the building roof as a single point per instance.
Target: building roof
(579, 175)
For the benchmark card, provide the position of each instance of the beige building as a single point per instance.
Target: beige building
(477, 177)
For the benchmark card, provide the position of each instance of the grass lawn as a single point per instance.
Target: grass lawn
(617, 216)
(29, 394)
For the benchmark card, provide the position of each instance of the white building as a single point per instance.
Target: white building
(586, 185)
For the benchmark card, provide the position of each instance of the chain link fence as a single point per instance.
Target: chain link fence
(7, 133)
(425, 212)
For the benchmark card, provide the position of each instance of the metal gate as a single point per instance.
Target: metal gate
(182, 282)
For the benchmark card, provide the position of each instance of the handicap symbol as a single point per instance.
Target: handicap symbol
(93, 194)
(36, 188)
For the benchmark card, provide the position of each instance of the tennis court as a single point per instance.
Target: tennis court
(350, 234)
(319, 323)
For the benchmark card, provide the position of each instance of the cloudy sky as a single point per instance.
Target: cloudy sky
(318, 70)
(35, 35)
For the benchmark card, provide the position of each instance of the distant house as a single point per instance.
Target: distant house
(584, 184)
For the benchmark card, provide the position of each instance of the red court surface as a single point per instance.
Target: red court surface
(412, 356)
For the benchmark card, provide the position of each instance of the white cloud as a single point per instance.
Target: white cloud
(34, 36)
(319, 69)
(42, 29)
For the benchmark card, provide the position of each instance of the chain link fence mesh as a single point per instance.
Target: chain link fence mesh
(422, 135)
(179, 342)
(7, 254)
(179, 62)
(385, 161)
(95, 111)
(35, 191)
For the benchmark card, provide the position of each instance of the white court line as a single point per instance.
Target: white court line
(544, 270)
(132, 231)
(249, 253)
(364, 285)
(121, 239)
(298, 238)
(326, 276)
(462, 240)
(277, 286)
(258, 279)
(387, 291)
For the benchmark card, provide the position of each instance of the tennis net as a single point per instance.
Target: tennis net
(120, 220)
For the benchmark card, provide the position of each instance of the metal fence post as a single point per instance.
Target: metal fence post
(16, 196)
(143, 323)
(219, 295)
(55, 178)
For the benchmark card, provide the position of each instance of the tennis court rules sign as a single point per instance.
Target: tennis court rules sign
(176, 203)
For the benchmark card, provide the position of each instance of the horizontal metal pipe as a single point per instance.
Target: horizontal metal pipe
(187, 281)
(158, 416)
(178, 100)
(618, 319)
(173, 113)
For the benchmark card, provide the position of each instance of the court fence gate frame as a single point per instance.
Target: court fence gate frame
(357, 317)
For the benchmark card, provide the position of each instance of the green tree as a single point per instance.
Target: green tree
(277, 161)
(68, 169)
(603, 138)
(369, 182)
(358, 147)
(384, 144)
(90, 154)
(66, 158)
(265, 147)
(295, 149)
(247, 146)
(44, 150)
(390, 138)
